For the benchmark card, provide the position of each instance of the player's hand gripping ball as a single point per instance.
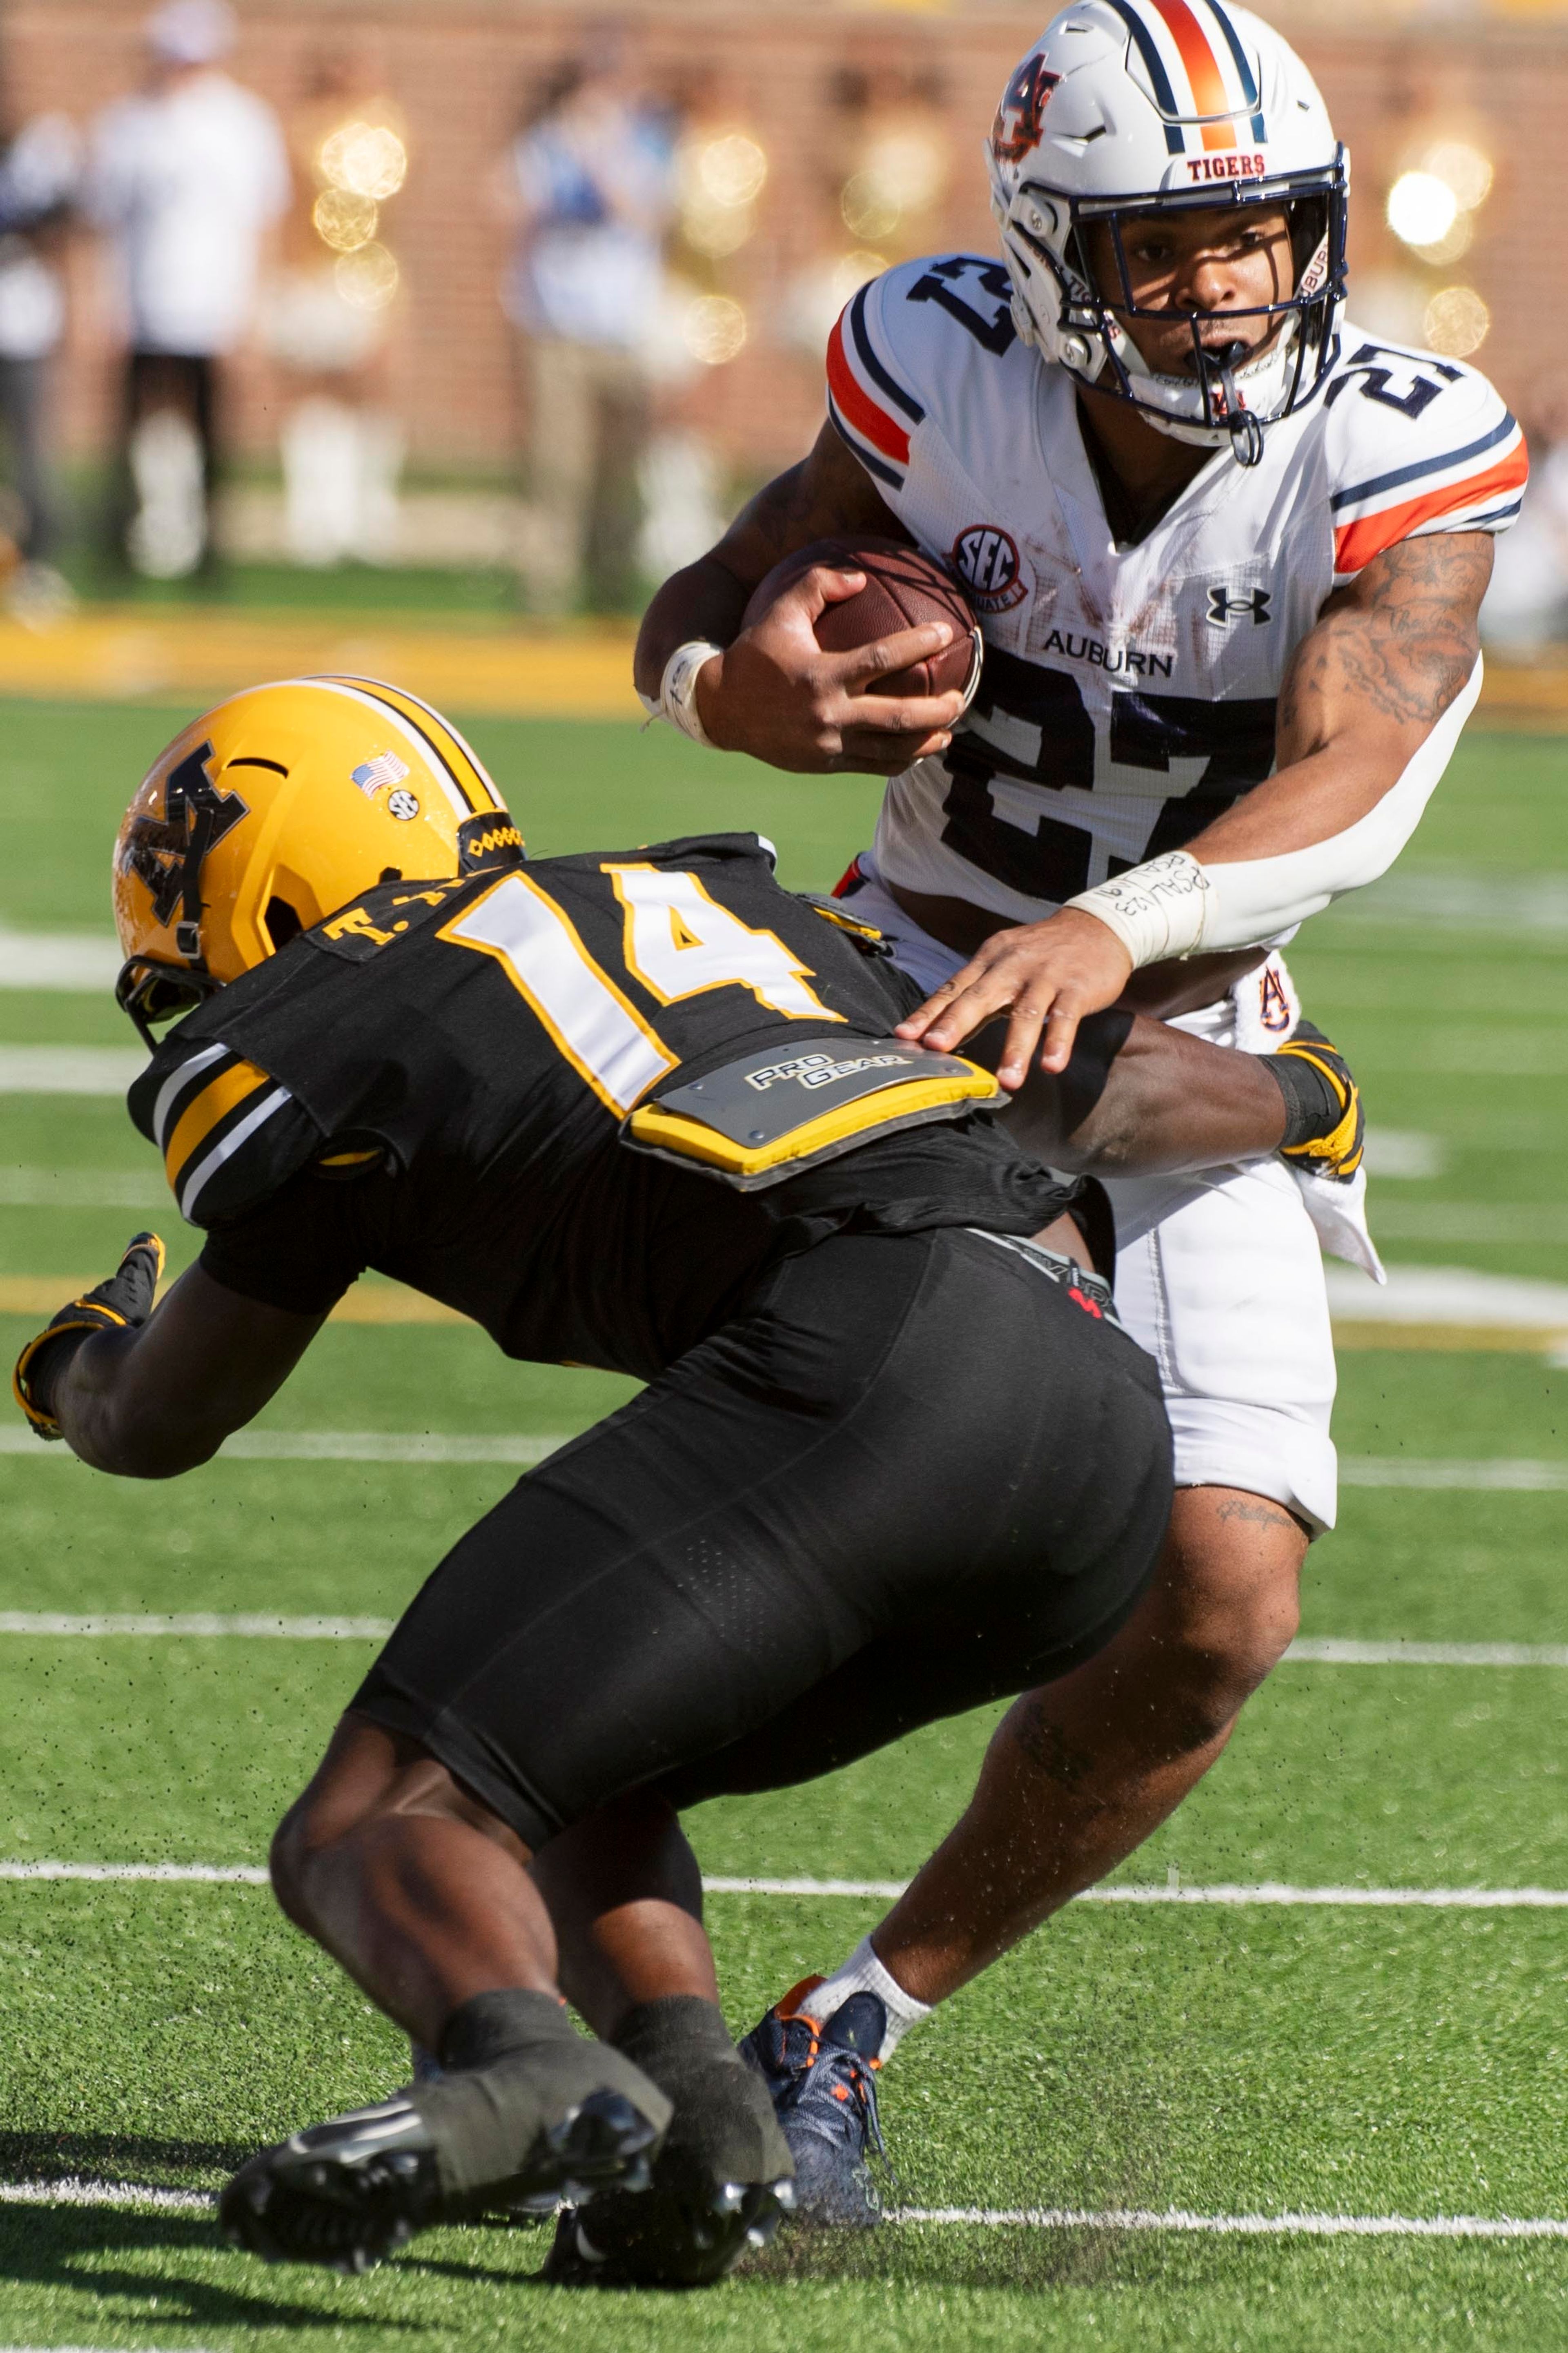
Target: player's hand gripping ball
(904, 590)
(121, 1303)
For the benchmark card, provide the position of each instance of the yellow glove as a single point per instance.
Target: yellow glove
(1324, 1124)
(121, 1303)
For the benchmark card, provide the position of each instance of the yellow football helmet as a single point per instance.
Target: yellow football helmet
(280, 807)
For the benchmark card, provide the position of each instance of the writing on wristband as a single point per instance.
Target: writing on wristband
(677, 690)
(1156, 910)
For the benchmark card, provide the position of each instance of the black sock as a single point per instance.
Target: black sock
(488, 2025)
(676, 2029)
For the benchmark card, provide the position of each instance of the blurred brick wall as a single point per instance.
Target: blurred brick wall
(461, 68)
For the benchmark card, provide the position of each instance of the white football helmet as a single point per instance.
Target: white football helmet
(1127, 107)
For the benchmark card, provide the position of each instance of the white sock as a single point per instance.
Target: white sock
(863, 1973)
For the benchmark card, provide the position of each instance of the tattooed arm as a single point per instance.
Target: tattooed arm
(1365, 690)
(1389, 656)
(774, 692)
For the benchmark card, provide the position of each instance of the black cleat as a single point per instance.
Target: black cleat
(720, 2182)
(682, 2233)
(558, 2118)
(343, 2194)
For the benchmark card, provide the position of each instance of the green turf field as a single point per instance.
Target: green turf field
(1331, 2059)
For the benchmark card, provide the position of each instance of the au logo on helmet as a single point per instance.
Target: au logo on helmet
(1019, 117)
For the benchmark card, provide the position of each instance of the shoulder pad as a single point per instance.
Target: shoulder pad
(230, 1134)
(689, 850)
(1415, 444)
(900, 343)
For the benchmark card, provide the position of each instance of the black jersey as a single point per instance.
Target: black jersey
(580, 1102)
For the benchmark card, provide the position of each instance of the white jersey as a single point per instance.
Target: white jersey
(1128, 694)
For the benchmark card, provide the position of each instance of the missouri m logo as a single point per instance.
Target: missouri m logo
(168, 852)
(1224, 606)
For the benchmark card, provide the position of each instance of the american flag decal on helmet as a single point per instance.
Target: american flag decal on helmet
(386, 768)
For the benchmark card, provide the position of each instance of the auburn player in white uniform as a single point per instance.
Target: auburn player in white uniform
(1227, 554)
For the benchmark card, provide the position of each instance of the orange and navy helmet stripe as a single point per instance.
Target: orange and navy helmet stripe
(1201, 77)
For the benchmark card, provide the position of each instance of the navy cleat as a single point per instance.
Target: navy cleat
(822, 2077)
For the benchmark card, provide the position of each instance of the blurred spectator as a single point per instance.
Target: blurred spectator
(1526, 605)
(327, 318)
(588, 188)
(885, 166)
(39, 167)
(188, 176)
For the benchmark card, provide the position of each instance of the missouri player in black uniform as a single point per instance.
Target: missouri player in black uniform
(895, 1456)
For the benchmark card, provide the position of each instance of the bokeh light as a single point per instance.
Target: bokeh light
(367, 278)
(364, 158)
(733, 169)
(856, 270)
(1458, 241)
(1422, 210)
(911, 167)
(1463, 168)
(868, 208)
(345, 222)
(714, 329)
(1457, 322)
(719, 181)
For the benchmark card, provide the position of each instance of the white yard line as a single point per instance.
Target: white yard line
(252, 1626)
(49, 1622)
(237, 1874)
(1240, 2226)
(69, 1069)
(76, 2191)
(1489, 1475)
(1331, 1651)
(1265, 1892)
(84, 962)
(1493, 1475)
(338, 1446)
(80, 2190)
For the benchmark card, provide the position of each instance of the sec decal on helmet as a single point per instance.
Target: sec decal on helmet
(264, 817)
(1128, 108)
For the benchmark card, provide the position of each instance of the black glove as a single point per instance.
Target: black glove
(1324, 1126)
(123, 1304)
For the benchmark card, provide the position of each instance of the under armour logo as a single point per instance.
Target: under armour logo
(1224, 606)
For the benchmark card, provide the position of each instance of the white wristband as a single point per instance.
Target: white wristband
(1155, 910)
(677, 690)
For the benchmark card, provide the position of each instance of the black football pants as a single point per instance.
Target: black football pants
(911, 1473)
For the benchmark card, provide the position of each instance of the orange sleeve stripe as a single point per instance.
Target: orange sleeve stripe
(1202, 67)
(1355, 543)
(859, 409)
(197, 1122)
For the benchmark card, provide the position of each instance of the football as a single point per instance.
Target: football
(903, 588)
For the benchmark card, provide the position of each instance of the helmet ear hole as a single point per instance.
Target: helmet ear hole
(282, 923)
